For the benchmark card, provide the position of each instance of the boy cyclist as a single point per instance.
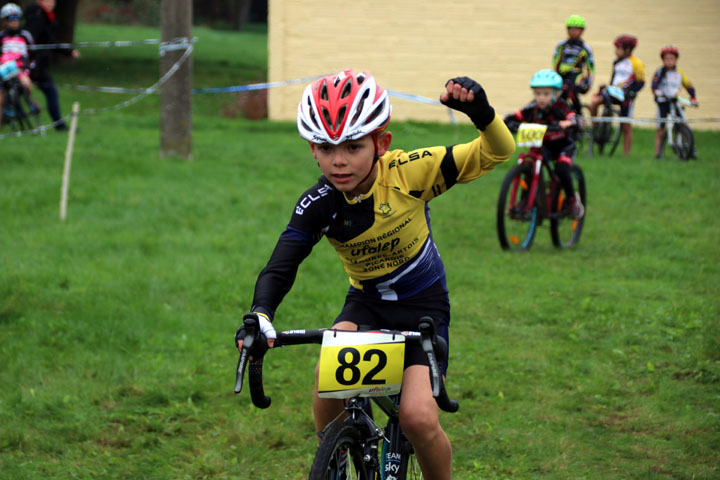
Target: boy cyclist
(666, 84)
(629, 75)
(574, 61)
(371, 204)
(14, 44)
(549, 108)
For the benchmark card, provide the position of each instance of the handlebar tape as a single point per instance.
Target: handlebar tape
(257, 392)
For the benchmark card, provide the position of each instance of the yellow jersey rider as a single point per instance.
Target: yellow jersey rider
(371, 203)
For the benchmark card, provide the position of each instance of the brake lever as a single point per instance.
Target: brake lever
(250, 326)
(427, 331)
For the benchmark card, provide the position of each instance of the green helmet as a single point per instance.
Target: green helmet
(575, 21)
(546, 78)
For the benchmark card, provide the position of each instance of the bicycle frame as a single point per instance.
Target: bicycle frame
(679, 136)
(536, 158)
(528, 196)
(605, 132)
(14, 112)
(396, 449)
(675, 115)
(394, 457)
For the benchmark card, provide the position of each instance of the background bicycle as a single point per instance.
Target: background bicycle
(678, 134)
(19, 110)
(355, 365)
(531, 192)
(572, 97)
(605, 133)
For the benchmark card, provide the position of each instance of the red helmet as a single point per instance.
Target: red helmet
(342, 107)
(626, 41)
(669, 49)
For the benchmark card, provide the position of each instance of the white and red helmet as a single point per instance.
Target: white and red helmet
(341, 107)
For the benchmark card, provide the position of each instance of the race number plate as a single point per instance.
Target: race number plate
(531, 135)
(368, 364)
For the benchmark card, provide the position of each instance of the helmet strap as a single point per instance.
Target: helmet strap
(376, 157)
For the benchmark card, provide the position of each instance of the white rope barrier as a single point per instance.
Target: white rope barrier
(183, 43)
(645, 121)
(92, 111)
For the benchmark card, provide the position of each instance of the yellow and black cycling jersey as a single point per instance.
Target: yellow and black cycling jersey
(628, 73)
(383, 237)
(574, 61)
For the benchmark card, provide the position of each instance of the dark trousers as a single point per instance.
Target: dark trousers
(50, 91)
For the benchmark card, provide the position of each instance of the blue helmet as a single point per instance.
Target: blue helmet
(546, 78)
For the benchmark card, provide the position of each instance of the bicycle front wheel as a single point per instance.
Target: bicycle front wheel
(517, 222)
(23, 112)
(564, 229)
(603, 132)
(616, 138)
(340, 455)
(682, 141)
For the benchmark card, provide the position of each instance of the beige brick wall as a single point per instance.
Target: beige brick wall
(414, 46)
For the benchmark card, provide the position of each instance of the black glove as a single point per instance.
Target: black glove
(479, 110)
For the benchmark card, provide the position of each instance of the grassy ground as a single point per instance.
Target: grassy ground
(116, 356)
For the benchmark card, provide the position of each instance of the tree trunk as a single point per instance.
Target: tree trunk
(65, 12)
(240, 13)
(176, 121)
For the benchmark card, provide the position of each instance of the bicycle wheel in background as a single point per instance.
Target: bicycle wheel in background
(602, 132)
(585, 130)
(516, 221)
(22, 113)
(564, 229)
(31, 111)
(340, 455)
(683, 141)
(616, 138)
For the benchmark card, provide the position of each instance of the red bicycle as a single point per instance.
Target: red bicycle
(531, 192)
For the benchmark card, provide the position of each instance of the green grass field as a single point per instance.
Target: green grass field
(116, 326)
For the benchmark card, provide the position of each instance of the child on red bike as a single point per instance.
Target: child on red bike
(574, 61)
(14, 44)
(666, 84)
(549, 108)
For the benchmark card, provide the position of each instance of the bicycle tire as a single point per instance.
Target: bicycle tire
(22, 113)
(602, 132)
(683, 141)
(341, 453)
(517, 228)
(30, 109)
(564, 229)
(616, 138)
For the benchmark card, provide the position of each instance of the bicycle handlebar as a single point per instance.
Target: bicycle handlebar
(513, 125)
(255, 346)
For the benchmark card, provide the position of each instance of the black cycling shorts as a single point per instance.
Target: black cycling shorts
(663, 109)
(374, 314)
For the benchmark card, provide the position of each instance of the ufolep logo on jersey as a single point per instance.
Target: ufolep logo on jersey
(369, 249)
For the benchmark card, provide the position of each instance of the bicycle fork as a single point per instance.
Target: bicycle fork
(532, 190)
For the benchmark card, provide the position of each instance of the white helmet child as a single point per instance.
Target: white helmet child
(10, 10)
